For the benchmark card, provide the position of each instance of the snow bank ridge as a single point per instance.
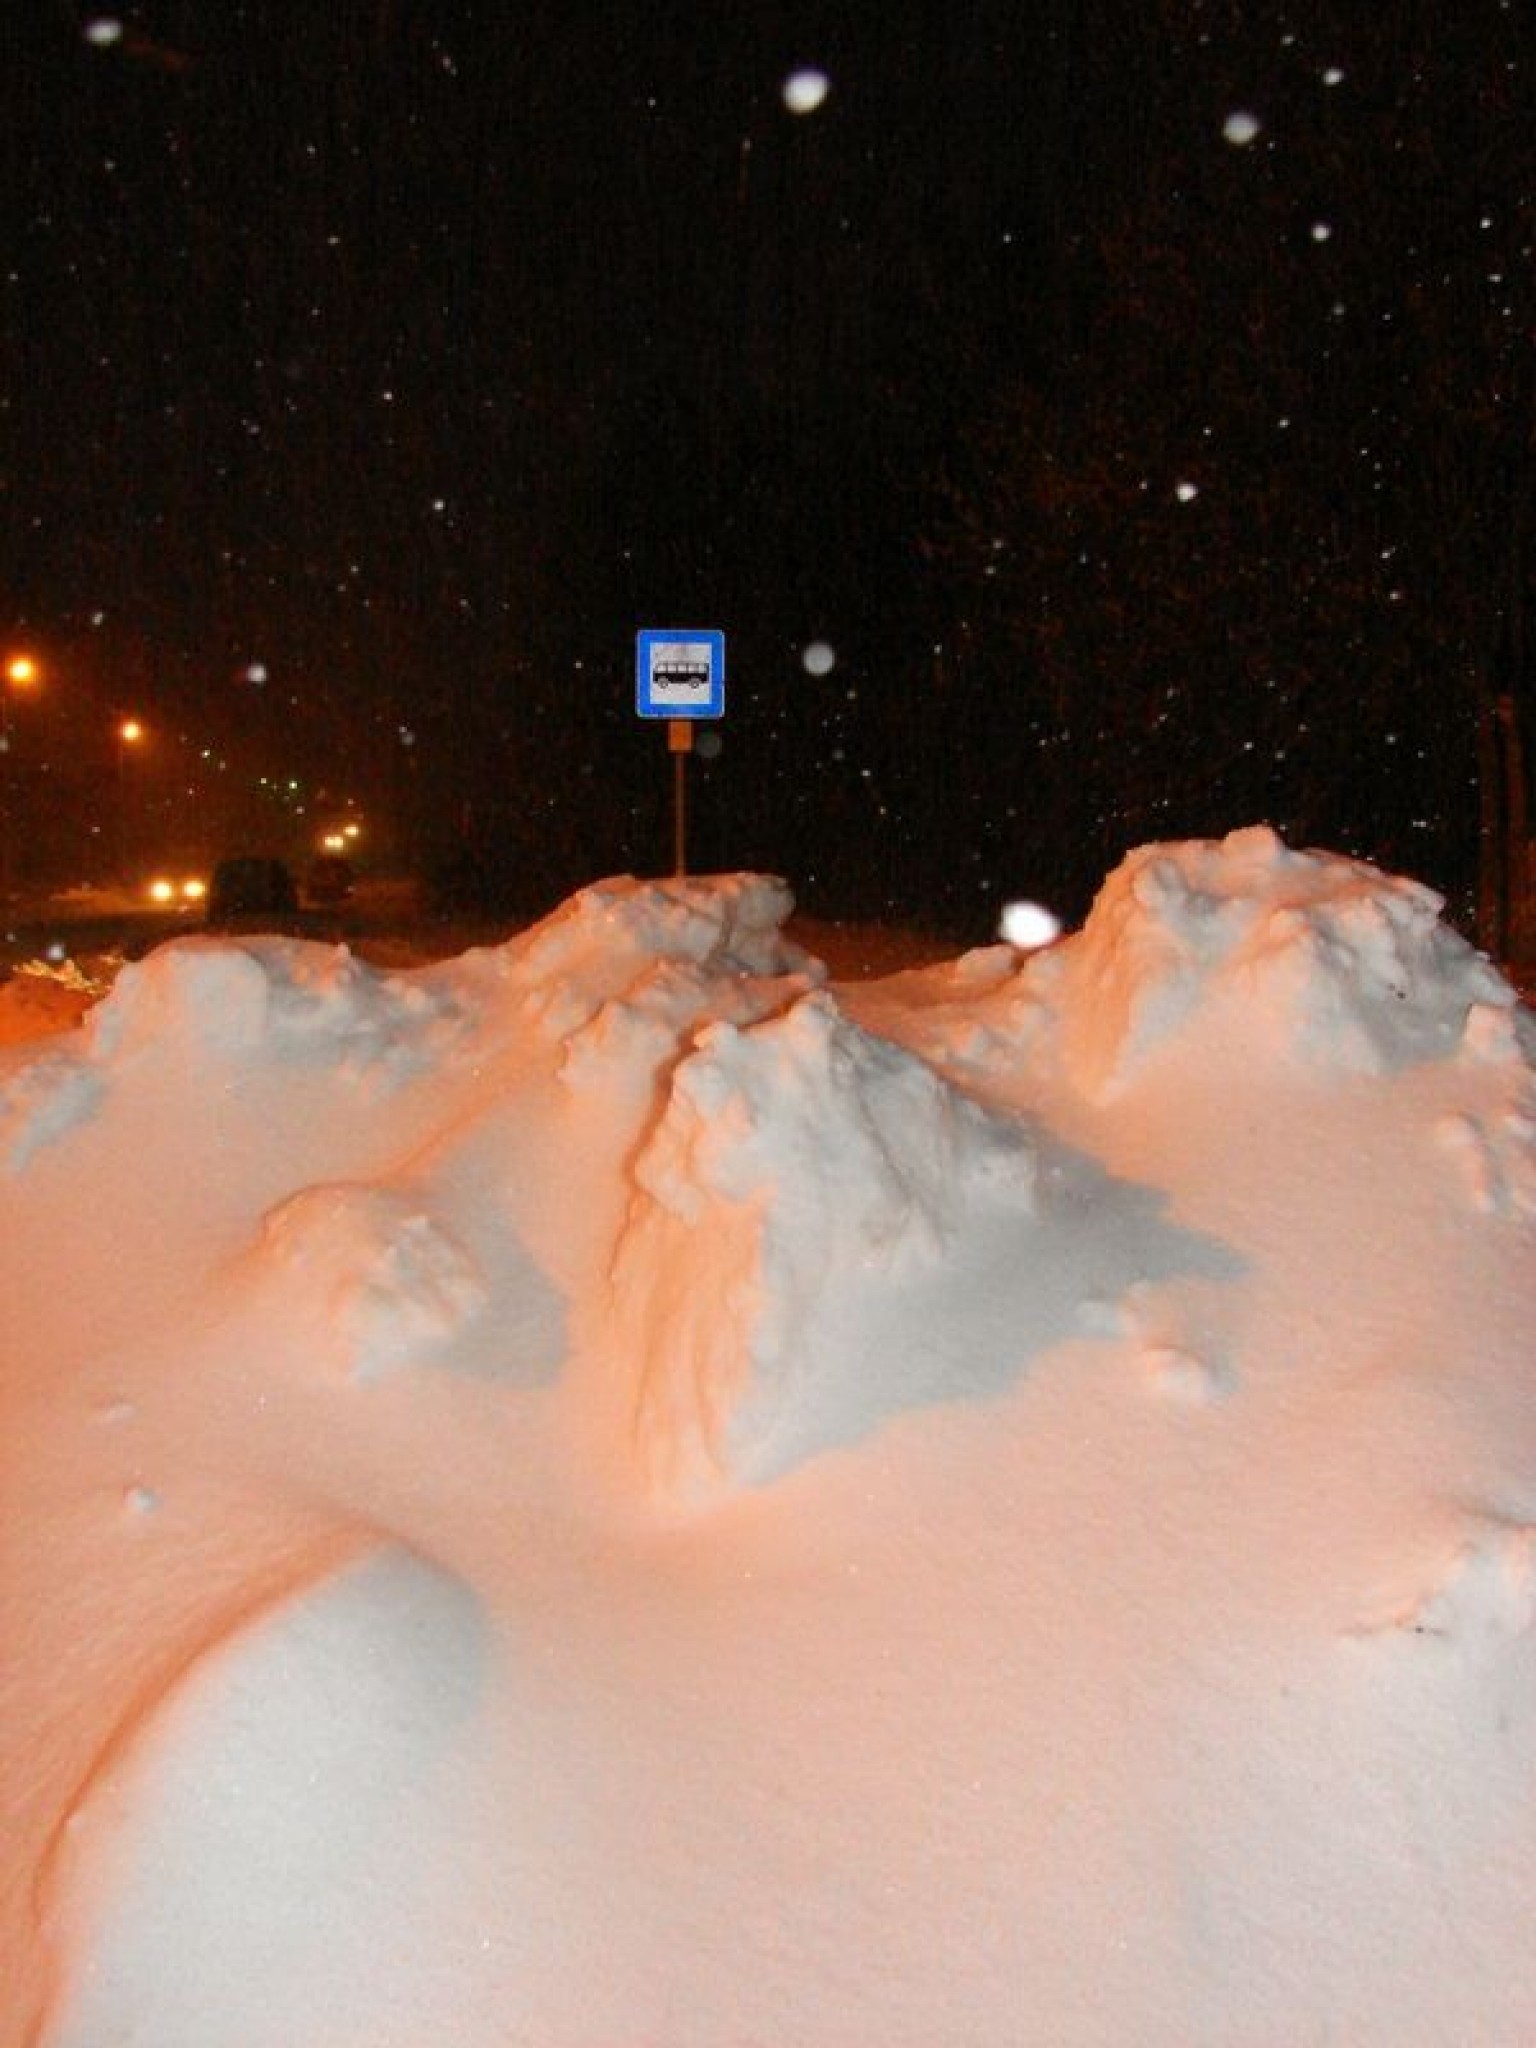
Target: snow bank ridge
(1326, 960)
(384, 1281)
(263, 1001)
(1491, 1590)
(283, 998)
(791, 1160)
(1486, 1592)
(670, 950)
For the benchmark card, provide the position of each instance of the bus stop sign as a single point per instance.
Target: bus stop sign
(680, 672)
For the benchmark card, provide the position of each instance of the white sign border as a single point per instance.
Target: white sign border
(647, 704)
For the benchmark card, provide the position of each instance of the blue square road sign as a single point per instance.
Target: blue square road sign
(680, 672)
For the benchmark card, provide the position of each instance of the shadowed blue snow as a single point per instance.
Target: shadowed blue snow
(286, 1773)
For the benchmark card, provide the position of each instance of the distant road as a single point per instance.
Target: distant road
(89, 924)
(383, 922)
(32, 932)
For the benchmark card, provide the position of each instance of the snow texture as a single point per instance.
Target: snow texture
(617, 1489)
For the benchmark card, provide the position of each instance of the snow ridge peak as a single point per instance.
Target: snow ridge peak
(794, 1162)
(1326, 960)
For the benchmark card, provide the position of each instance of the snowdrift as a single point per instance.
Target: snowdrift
(616, 1490)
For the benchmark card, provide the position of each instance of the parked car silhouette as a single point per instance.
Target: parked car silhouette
(250, 886)
(327, 879)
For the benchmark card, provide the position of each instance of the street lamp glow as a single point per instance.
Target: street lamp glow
(21, 672)
(130, 735)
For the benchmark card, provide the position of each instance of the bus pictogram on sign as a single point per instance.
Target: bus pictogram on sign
(680, 672)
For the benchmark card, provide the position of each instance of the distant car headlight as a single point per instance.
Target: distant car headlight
(162, 890)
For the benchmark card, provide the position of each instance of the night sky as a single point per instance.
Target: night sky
(372, 371)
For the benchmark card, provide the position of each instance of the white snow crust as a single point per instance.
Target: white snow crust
(618, 1490)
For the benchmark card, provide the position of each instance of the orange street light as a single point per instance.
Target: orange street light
(130, 734)
(20, 672)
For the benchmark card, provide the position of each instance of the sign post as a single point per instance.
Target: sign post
(680, 676)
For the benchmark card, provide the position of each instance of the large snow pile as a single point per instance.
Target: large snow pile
(613, 1491)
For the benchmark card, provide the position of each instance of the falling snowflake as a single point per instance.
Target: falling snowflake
(1241, 127)
(818, 659)
(805, 90)
(1028, 926)
(1185, 491)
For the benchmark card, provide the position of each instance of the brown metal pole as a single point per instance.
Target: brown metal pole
(680, 744)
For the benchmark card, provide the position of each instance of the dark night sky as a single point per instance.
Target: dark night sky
(419, 353)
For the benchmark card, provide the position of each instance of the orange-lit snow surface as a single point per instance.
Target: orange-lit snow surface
(612, 1491)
